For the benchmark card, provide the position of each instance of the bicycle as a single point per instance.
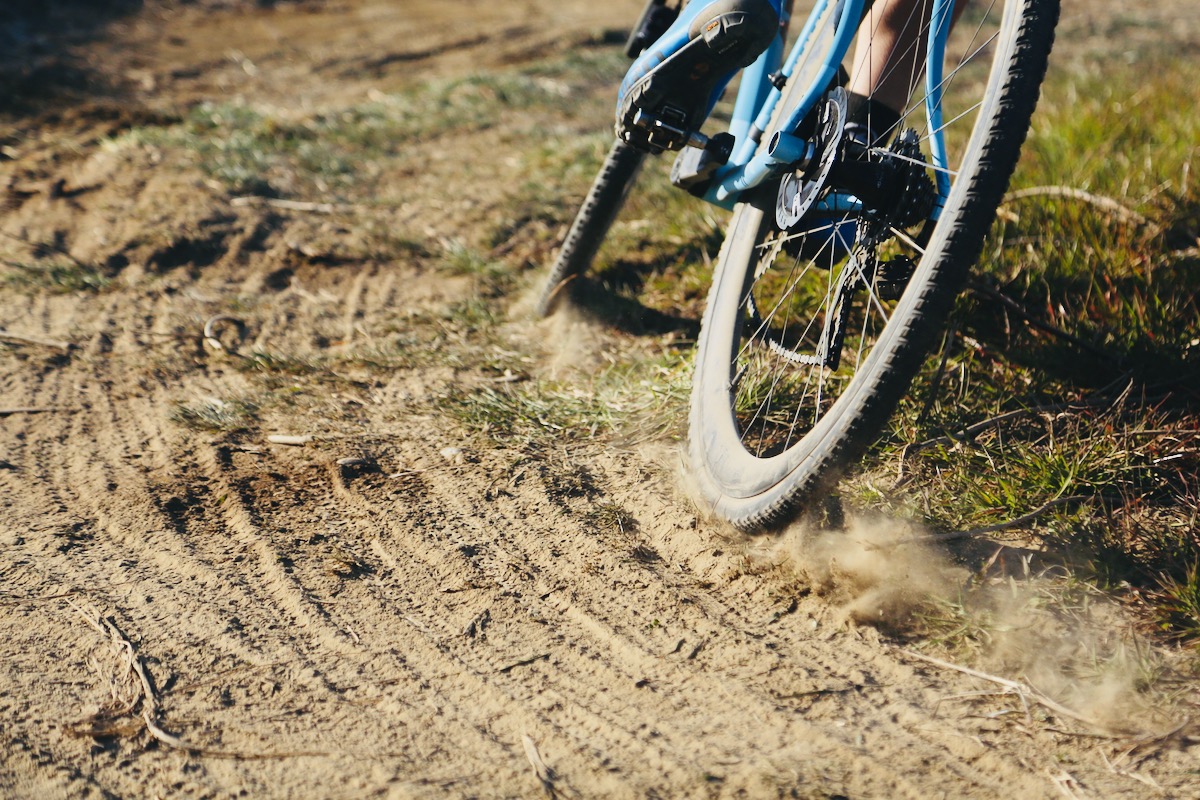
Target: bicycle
(841, 260)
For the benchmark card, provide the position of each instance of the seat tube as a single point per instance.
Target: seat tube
(755, 88)
(752, 94)
(939, 31)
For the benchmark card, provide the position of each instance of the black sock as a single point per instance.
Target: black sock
(872, 121)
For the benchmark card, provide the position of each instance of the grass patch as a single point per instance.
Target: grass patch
(634, 399)
(54, 276)
(345, 367)
(217, 415)
(1178, 605)
(492, 274)
(274, 152)
(610, 517)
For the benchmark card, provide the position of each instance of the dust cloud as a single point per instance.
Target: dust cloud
(571, 341)
(1057, 635)
(877, 571)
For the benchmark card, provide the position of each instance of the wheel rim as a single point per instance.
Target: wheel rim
(817, 298)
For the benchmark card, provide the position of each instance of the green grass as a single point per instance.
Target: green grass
(217, 415)
(340, 367)
(306, 384)
(1109, 371)
(56, 276)
(1178, 607)
(271, 152)
(636, 398)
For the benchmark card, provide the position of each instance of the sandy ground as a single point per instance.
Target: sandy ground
(192, 614)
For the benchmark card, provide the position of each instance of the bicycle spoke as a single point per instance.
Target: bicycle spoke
(908, 240)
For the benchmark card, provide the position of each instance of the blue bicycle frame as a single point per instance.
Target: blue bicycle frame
(751, 164)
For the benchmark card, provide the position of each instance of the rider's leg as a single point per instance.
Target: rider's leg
(889, 55)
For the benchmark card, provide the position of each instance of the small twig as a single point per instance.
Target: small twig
(543, 772)
(1071, 193)
(133, 662)
(292, 205)
(294, 441)
(149, 696)
(1180, 432)
(210, 330)
(1139, 743)
(8, 412)
(16, 600)
(524, 662)
(975, 533)
(1020, 310)
(1114, 769)
(936, 384)
(1024, 518)
(1148, 744)
(971, 431)
(1108, 737)
(17, 338)
(62, 251)
(1065, 782)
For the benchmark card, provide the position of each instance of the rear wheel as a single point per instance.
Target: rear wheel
(815, 328)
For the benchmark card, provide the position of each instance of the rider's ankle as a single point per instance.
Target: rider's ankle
(869, 122)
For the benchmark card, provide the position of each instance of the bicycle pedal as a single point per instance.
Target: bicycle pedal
(694, 166)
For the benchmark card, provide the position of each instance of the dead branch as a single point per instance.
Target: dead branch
(293, 205)
(1021, 690)
(994, 294)
(1070, 193)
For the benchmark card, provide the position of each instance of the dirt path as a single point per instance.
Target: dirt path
(393, 610)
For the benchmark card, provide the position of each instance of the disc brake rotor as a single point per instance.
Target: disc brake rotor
(799, 190)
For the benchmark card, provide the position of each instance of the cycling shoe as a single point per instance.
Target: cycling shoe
(672, 87)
